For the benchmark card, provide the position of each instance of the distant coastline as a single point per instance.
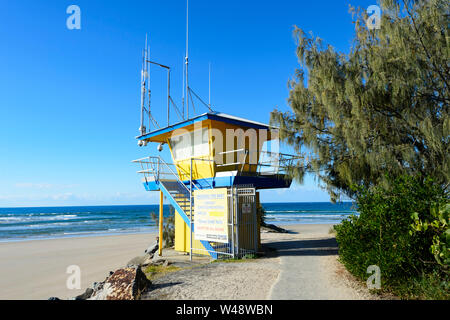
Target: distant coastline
(42, 223)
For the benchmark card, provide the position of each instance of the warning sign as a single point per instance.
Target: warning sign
(211, 215)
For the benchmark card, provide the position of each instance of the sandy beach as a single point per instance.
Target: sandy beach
(304, 266)
(35, 270)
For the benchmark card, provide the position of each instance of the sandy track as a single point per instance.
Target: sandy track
(248, 280)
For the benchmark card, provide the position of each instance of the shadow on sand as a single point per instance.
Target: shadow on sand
(164, 285)
(320, 247)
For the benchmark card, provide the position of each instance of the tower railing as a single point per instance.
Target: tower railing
(268, 163)
(154, 168)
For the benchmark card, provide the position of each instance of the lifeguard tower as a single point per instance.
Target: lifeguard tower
(218, 165)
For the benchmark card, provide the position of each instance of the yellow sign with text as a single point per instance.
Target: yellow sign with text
(211, 215)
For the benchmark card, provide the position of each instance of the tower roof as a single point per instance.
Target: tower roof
(217, 116)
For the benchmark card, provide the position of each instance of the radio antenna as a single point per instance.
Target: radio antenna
(187, 58)
(209, 89)
(184, 82)
(149, 91)
(142, 128)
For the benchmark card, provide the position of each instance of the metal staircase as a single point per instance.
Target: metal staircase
(178, 194)
(180, 197)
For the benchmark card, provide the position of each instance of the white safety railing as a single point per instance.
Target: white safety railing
(155, 168)
(268, 162)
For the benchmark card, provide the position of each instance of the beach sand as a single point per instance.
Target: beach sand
(36, 270)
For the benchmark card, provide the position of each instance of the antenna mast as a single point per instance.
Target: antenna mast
(187, 58)
(209, 87)
(182, 98)
(147, 72)
(142, 128)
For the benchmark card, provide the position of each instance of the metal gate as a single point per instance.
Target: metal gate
(242, 227)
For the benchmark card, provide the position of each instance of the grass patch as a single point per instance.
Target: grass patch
(431, 286)
(246, 258)
(156, 271)
(332, 230)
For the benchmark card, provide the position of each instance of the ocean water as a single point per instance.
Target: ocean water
(58, 222)
(308, 212)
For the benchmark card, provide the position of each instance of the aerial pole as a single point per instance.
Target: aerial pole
(142, 95)
(184, 81)
(168, 89)
(187, 58)
(147, 72)
(209, 87)
(168, 97)
(142, 128)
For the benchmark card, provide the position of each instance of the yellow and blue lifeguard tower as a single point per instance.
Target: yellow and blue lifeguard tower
(215, 151)
(218, 165)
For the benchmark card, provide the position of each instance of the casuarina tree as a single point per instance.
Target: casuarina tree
(382, 109)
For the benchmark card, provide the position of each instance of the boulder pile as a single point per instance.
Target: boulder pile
(123, 284)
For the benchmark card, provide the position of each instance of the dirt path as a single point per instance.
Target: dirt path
(248, 280)
(309, 267)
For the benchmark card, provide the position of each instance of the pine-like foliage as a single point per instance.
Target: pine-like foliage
(383, 108)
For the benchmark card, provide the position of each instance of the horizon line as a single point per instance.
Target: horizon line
(156, 204)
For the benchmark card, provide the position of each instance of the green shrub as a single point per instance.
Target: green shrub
(439, 228)
(261, 214)
(382, 236)
(434, 285)
(168, 228)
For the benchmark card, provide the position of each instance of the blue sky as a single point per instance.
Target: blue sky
(69, 99)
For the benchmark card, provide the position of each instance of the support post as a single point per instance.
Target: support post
(190, 211)
(161, 217)
(238, 222)
(232, 222)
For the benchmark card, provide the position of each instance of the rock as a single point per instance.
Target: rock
(86, 295)
(54, 299)
(124, 284)
(153, 248)
(97, 286)
(273, 228)
(160, 262)
(140, 261)
(157, 258)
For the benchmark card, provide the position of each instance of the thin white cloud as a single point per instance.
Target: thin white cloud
(72, 199)
(40, 186)
(32, 185)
